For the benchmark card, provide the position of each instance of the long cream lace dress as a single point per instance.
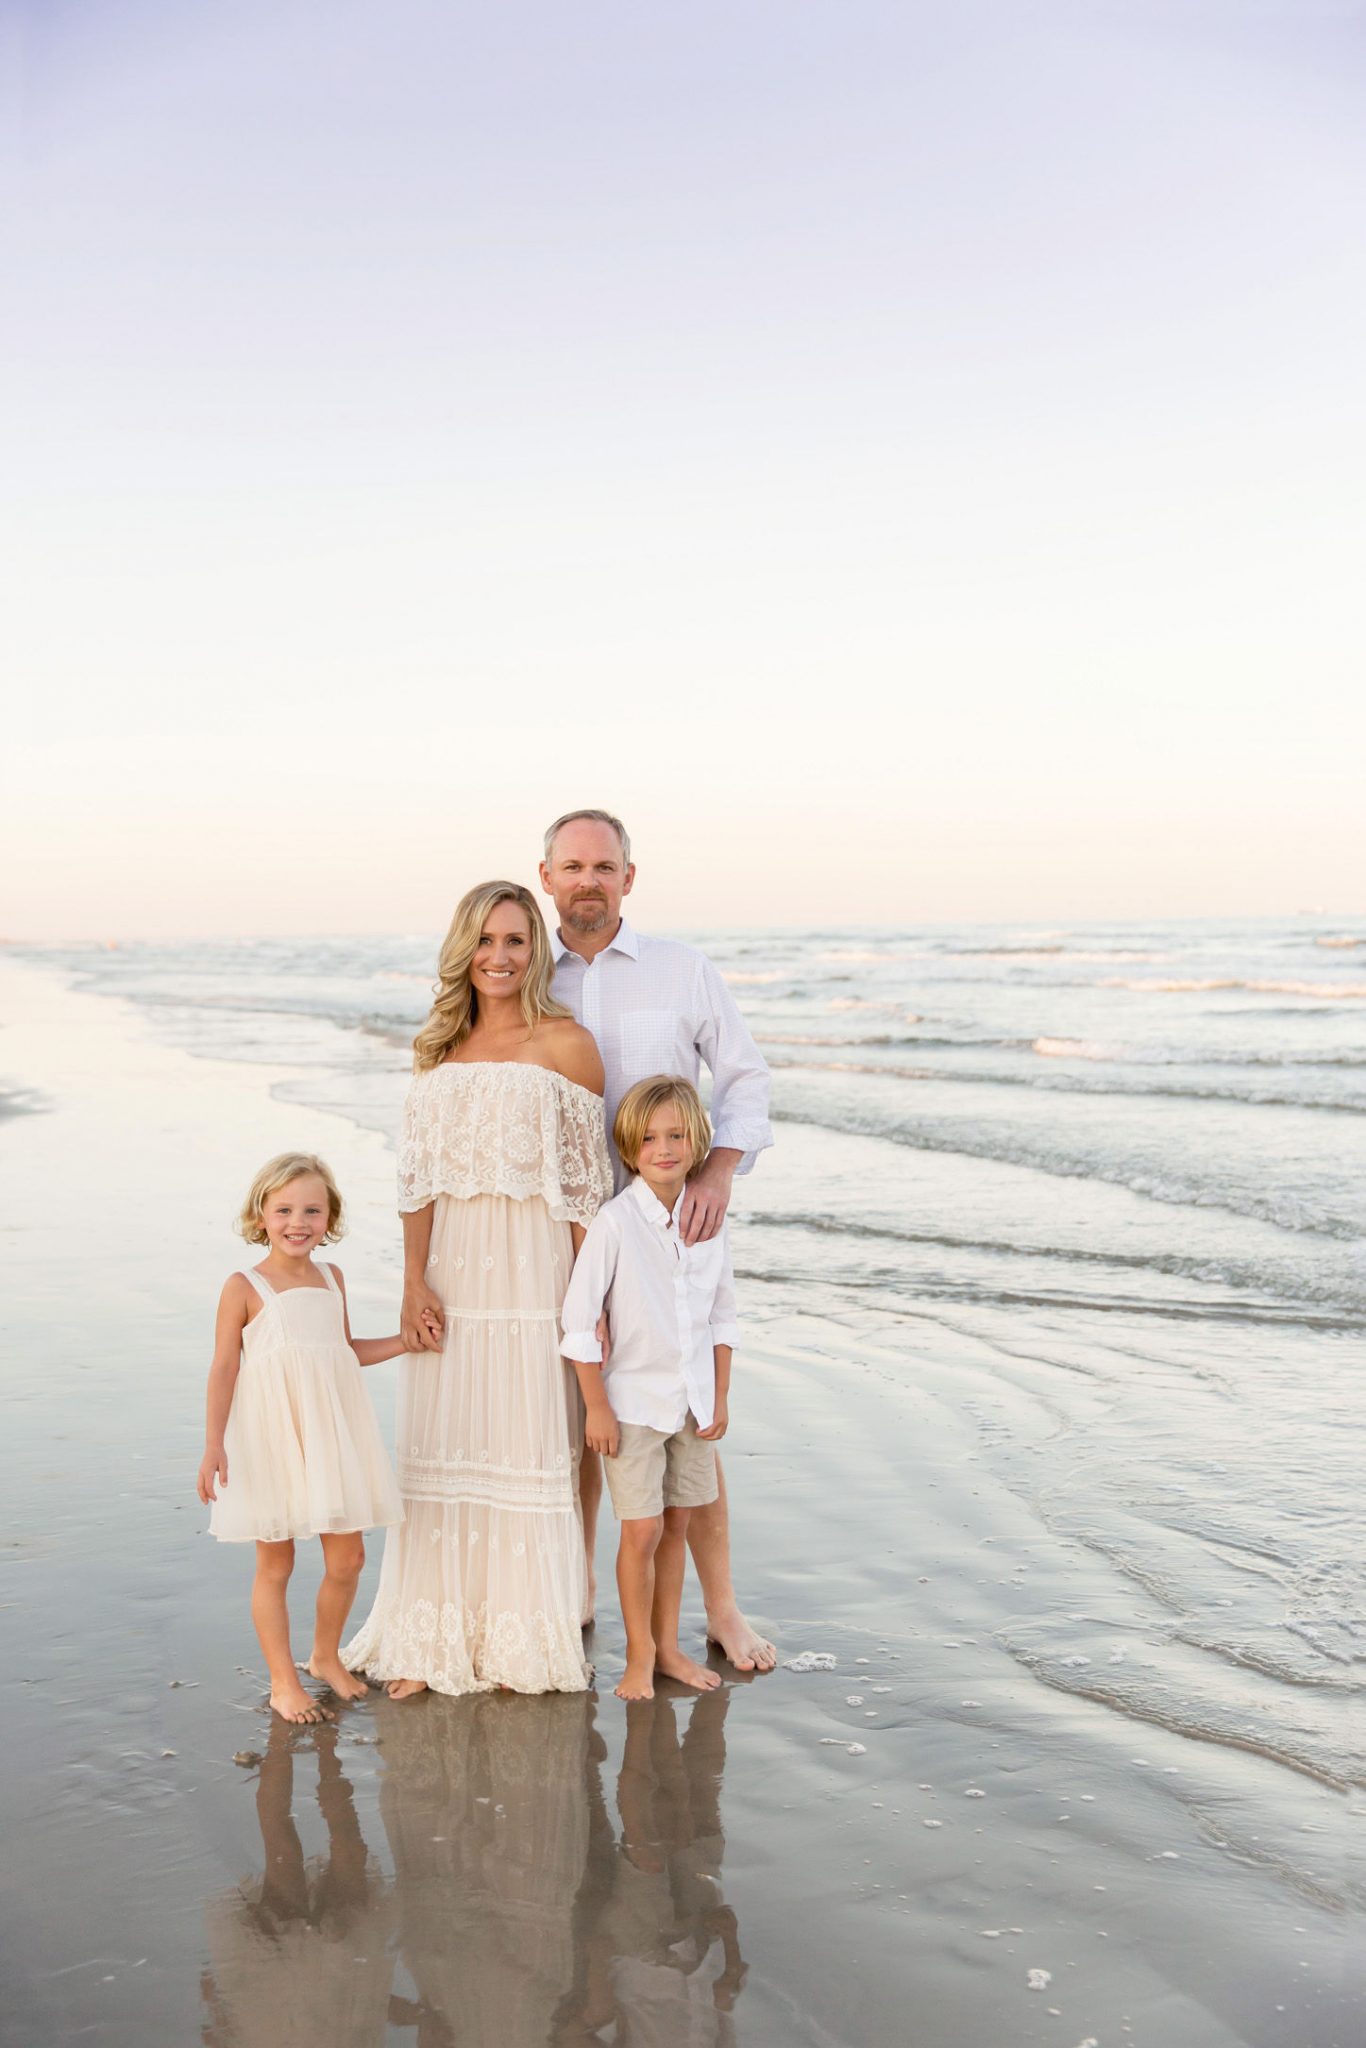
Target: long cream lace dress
(484, 1584)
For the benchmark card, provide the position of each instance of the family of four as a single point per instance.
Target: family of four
(549, 1324)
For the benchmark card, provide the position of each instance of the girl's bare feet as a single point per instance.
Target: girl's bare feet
(674, 1664)
(637, 1682)
(347, 1685)
(292, 1703)
(742, 1644)
(405, 1688)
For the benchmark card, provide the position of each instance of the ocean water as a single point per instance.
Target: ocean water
(1125, 1166)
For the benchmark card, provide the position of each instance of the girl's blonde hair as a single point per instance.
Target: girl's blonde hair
(456, 1005)
(639, 1104)
(277, 1173)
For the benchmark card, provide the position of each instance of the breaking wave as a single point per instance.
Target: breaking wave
(1318, 991)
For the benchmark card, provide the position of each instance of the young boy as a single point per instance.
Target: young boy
(660, 1402)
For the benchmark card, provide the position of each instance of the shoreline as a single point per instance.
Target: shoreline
(1177, 1896)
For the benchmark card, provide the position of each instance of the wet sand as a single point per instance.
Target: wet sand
(882, 1852)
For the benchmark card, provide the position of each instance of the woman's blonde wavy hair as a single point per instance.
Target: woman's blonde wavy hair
(456, 1005)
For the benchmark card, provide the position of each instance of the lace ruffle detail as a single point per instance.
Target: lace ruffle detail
(459, 1649)
(487, 1127)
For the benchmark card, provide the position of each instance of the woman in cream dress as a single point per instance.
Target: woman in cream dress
(502, 1164)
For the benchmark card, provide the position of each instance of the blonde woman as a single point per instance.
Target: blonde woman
(502, 1165)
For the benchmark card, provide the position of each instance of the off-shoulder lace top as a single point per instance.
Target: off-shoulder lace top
(496, 1127)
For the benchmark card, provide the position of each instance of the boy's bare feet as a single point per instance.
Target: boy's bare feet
(292, 1703)
(347, 1685)
(743, 1645)
(405, 1688)
(637, 1682)
(674, 1664)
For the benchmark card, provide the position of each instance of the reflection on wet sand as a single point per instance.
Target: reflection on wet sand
(485, 1804)
(300, 1956)
(519, 1912)
(660, 1952)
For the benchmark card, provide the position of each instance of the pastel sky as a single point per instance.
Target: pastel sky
(907, 457)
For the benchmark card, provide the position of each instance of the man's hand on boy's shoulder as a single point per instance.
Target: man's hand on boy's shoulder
(707, 1198)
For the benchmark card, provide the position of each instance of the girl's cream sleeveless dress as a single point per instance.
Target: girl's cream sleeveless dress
(305, 1454)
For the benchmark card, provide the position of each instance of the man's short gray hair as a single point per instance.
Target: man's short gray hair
(593, 818)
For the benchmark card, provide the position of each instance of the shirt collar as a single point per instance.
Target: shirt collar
(625, 941)
(650, 1206)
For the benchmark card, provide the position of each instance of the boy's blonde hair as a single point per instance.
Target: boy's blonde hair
(639, 1104)
(456, 1005)
(277, 1173)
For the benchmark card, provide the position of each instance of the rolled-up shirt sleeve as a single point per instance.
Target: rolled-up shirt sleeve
(724, 1327)
(741, 1081)
(586, 1295)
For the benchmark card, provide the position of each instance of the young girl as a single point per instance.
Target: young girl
(291, 1437)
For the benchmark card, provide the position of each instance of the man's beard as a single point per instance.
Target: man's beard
(586, 916)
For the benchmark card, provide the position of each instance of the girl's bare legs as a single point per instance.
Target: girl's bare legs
(343, 1562)
(640, 1540)
(270, 1618)
(670, 1560)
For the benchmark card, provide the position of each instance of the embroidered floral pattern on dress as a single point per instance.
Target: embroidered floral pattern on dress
(447, 1642)
(486, 1127)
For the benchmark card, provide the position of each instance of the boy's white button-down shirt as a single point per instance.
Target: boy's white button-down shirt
(668, 1304)
(656, 1006)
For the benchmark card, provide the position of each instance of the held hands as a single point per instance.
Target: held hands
(213, 1466)
(602, 1431)
(422, 1320)
(706, 1200)
(719, 1423)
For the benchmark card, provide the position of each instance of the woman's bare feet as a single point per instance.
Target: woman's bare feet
(637, 1681)
(743, 1645)
(405, 1688)
(292, 1703)
(674, 1664)
(347, 1685)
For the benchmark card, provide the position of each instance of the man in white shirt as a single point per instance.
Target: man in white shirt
(657, 1006)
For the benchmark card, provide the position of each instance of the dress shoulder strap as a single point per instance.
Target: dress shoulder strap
(266, 1293)
(329, 1277)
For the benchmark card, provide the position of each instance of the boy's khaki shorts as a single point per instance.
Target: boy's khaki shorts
(654, 1470)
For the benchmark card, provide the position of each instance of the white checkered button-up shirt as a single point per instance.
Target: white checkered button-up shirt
(656, 1006)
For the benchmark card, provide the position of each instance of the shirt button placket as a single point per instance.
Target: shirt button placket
(685, 1336)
